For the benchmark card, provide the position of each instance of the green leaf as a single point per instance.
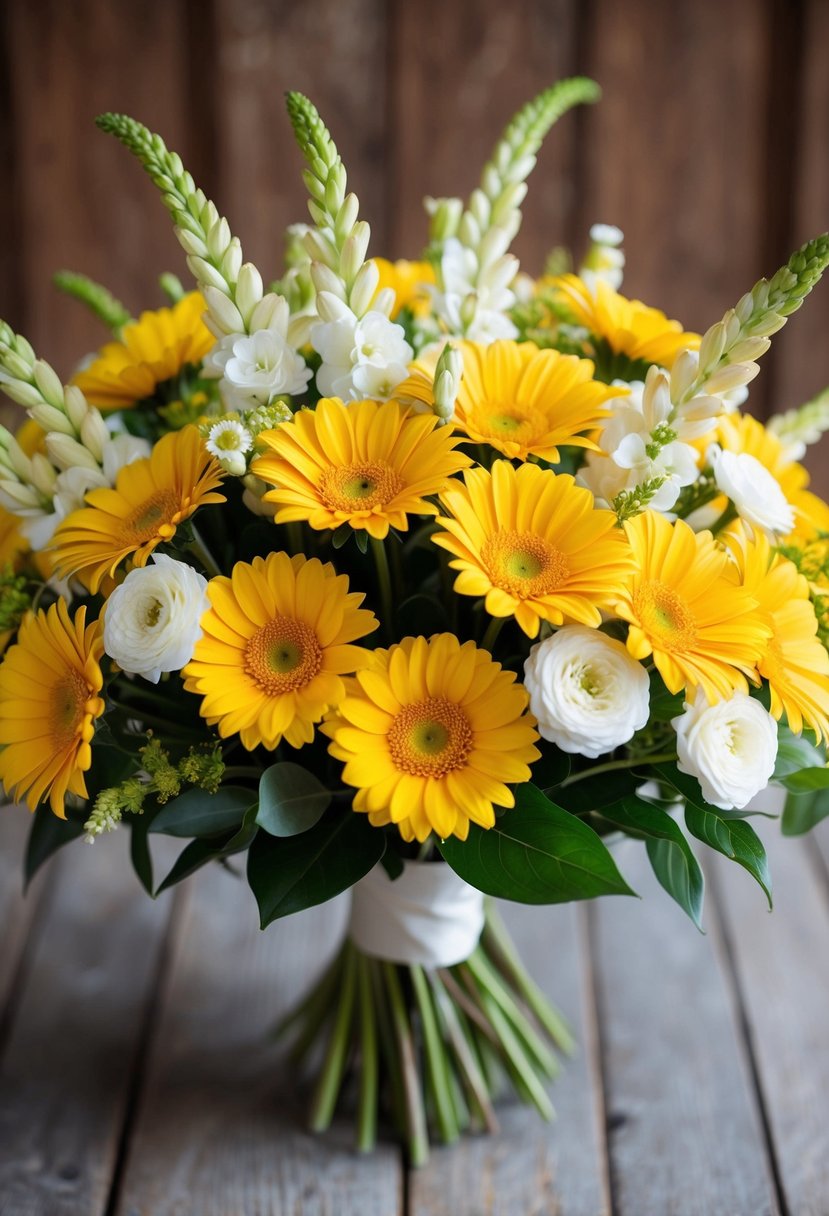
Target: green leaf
(807, 779)
(291, 800)
(664, 705)
(592, 793)
(794, 753)
(735, 839)
(291, 873)
(677, 869)
(46, 836)
(196, 813)
(140, 855)
(199, 852)
(392, 863)
(553, 767)
(690, 790)
(803, 811)
(537, 853)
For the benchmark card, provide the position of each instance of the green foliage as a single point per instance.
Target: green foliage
(803, 811)
(291, 800)
(537, 853)
(735, 839)
(201, 851)
(100, 302)
(292, 873)
(47, 835)
(196, 813)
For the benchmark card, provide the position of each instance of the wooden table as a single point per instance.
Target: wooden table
(137, 1077)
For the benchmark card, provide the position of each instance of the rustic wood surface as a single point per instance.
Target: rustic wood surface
(709, 148)
(137, 1076)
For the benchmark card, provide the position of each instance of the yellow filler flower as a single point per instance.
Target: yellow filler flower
(629, 327)
(50, 682)
(533, 543)
(368, 464)
(686, 609)
(276, 643)
(409, 282)
(795, 662)
(151, 350)
(151, 498)
(431, 734)
(521, 400)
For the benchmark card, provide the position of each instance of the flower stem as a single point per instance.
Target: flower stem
(381, 561)
(418, 1136)
(201, 551)
(367, 1099)
(330, 1079)
(435, 1058)
(494, 627)
(501, 950)
(612, 765)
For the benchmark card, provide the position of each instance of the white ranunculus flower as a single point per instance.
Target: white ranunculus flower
(754, 491)
(730, 747)
(587, 693)
(152, 621)
(361, 356)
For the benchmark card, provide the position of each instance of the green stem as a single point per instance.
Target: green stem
(243, 770)
(418, 1136)
(727, 517)
(201, 551)
(381, 561)
(505, 956)
(612, 765)
(388, 1045)
(470, 1071)
(492, 985)
(367, 1099)
(490, 637)
(436, 1064)
(330, 1078)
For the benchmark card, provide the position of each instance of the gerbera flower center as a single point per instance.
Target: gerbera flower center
(283, 655)
(524, 564)
(155, 517)
(68, 708)
(360, 486)
(506, 421)
(664, 616)
(430, 738)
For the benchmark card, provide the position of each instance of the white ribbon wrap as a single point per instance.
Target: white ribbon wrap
(428, 916)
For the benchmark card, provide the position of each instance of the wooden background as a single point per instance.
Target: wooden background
(709, 148)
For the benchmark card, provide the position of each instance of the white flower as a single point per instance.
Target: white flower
(604, 261)
(754, 491)
(122, 449)
(475, 299)
(255, 368)
(587, 693)
(151, 622)
(730, 747)
(229, 441)
(362, 357)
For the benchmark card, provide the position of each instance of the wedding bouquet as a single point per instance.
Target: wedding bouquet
(425, 579)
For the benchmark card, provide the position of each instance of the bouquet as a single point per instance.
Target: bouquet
(426, 580)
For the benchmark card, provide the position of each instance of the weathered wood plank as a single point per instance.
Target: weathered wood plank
(531, 1167)
(784, 985)
(675, 151)
(458, 73)
(335, 53)
(220, 1128)
(685, 1134)
(82, 201)
(16, 910)
(67, 1069)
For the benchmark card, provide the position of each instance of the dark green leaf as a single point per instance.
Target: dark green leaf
(197, 813)
(392, 863)
(536, 853)
(340, 536)
(422, 614)
(199, 852)
(592, 793)
(735, 839)
(361, 539)
(794, 753)
(690, 790)
(677, 869)
(803, 811)
(807, 779)
(291, 800)
(295, 872)
(46, 836)
(664, 705)
(552, 768)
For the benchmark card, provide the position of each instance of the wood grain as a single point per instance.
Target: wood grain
(533, 1168)
(685, 1133)
(219, 1129)
(66, 1073)
(784, 984)
(17, 910)
(458, 73)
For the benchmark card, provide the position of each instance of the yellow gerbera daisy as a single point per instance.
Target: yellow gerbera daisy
(275, 645)
(368, 463)
(795, 663)
(743, 434)
(151, 497)
(49, 685)
(431, 733)
(521, 400)
(151, 350)
(409, 281)
(532, 542)
(629, 327)
(685, 609)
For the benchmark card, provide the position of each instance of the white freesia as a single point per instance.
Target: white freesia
(474, 298)
(730, 747)
(152, 621)
(362, 357)
(756, 494)
(255, 368)
(587, 693)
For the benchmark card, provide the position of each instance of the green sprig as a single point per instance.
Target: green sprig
(100, 302)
